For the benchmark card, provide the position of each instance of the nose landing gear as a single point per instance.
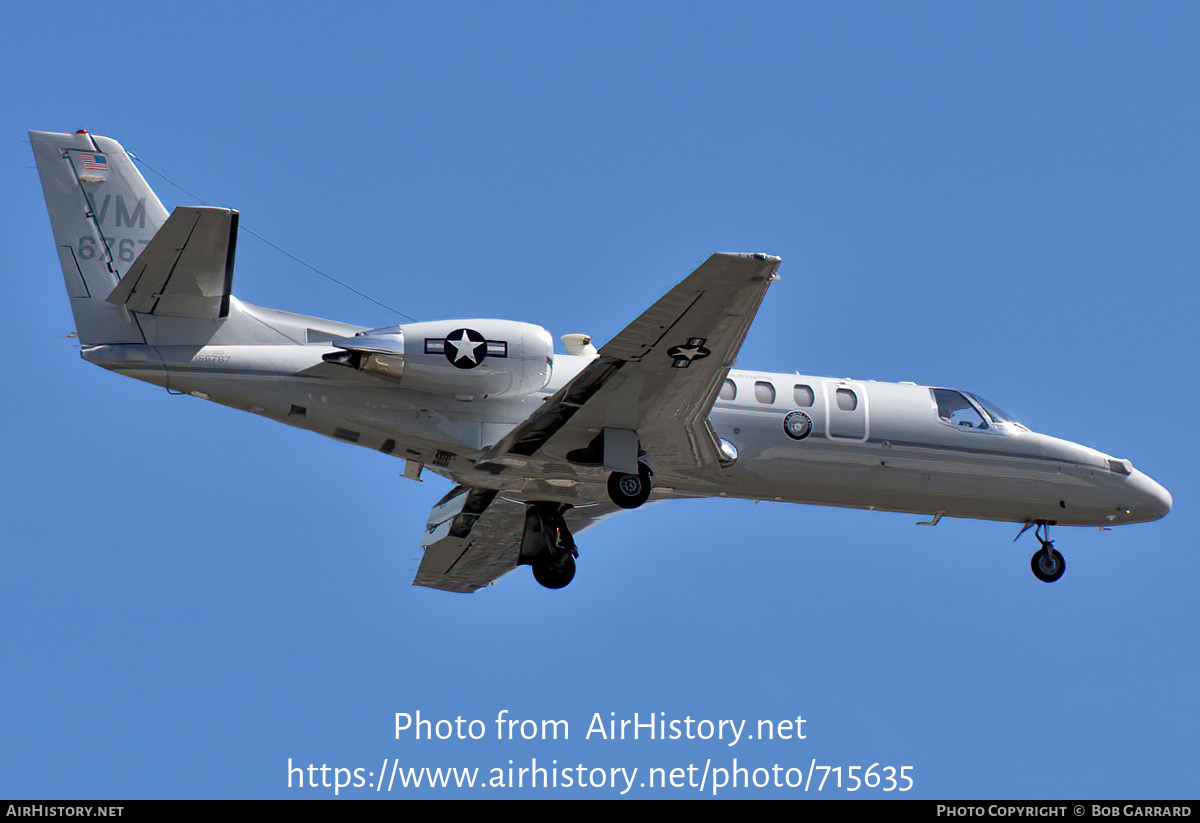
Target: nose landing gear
(1047, 563)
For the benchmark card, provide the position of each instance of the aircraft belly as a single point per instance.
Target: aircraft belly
(918, 493)
(273, 381)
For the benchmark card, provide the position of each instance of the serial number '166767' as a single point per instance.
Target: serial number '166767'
(211, 357)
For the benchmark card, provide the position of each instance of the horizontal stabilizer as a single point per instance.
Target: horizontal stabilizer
(187, 268)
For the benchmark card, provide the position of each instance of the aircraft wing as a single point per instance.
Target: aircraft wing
(658, 377)
(186, 270)
(475, 536)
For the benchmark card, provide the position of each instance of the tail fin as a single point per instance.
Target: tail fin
(103, 214)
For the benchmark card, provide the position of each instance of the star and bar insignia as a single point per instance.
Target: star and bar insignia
(465, 348)
(682, 356)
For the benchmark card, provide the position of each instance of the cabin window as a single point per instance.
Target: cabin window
(956, 410)
(803, 396)
(764, 392)
(847, 400)
(728, 390)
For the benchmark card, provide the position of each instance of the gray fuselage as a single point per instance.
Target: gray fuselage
(859, 444)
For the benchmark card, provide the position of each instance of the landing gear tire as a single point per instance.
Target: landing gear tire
(629, 490)
(548, 539)
(1047, 564)
(553, 572)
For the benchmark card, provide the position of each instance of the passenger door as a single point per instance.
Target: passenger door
(847, 410)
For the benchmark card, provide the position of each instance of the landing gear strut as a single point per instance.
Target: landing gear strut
(554, 560)
(1047, 564)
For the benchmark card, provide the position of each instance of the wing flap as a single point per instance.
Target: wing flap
(473, 537)
(186, 270)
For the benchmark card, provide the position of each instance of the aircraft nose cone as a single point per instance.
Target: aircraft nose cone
(1152, 500)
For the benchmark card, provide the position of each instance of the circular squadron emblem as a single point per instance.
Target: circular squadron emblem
(797, 425)
(465, 348)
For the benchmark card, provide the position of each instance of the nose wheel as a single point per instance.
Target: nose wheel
(1047, 563)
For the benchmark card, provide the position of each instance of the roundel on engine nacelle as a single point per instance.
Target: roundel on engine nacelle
(465, 348)
(467, 359)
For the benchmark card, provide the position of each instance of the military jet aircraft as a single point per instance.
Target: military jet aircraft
(542, 444)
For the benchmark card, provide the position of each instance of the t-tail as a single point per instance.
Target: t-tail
(103, 214)
(141, 281)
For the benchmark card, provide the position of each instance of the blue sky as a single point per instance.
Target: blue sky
(1002, 198)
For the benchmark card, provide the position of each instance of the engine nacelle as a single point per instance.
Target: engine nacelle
(469, 359)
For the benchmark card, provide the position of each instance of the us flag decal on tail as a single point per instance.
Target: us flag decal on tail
(94, 162)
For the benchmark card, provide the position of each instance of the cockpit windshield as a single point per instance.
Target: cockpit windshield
(969, 411)
(955, 409)
(993, 411)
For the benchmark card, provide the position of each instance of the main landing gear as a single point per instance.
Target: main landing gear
(547, 544)
(630, 490)
(626, 490)
(554, 571)
(1047, 564)
(548, 541)
(554, 560)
